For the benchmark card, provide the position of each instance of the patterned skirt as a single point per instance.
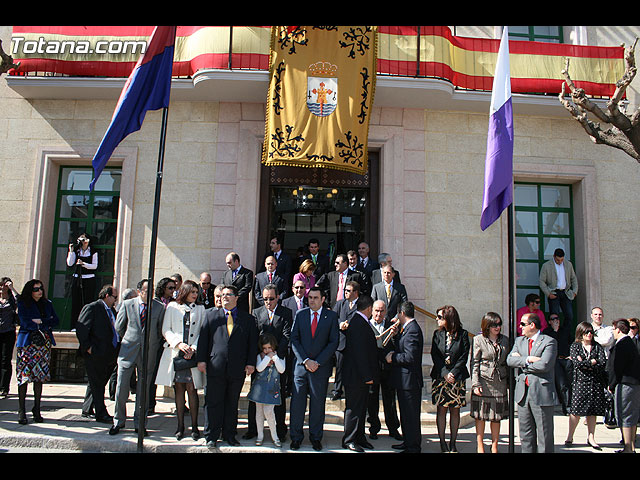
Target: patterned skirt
(489, 409)
(447, 394)
(33, 363)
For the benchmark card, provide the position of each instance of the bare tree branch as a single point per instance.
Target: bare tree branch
(7, 61)
(624, 133)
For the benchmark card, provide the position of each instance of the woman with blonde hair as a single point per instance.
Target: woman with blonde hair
(306, 275)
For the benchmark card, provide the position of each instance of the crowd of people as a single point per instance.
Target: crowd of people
(297, 322)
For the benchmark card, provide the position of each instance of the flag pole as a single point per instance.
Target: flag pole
(512, 325)
(144, 390)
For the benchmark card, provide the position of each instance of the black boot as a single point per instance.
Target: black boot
(37, 395)
(22, 397)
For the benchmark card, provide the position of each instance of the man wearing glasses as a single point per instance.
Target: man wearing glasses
(534, 354)
(205, 296)
(99, 344)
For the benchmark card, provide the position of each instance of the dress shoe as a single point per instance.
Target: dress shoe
(399, 446)
(179, 434)
(249, 435)
(373, 435)
(88, 414)
(295, 444)
(22, 418)
(317, 445)
(105, 419)
(354, 447)
(114, 430)
(36, 416)
(365, 444)
(233, 442)
(395, 434)
(195, 433)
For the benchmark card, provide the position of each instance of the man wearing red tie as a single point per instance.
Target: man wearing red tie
(314, 339)
(333, 283)
(534, 354)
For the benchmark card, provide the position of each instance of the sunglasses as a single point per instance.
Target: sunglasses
(439, 317)
(36, 289)
(522, 324)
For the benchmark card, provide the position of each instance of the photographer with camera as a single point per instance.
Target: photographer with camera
(84, 260)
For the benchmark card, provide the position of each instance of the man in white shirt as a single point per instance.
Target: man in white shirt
(602, 334)
(559, 283)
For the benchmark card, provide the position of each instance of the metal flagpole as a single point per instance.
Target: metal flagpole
(512, 326)
(144, 391)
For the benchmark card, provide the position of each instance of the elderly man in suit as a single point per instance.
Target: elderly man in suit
(390, 291)
(99, 344)
(534, 355)
(131, 323)
(276, 320)
(227, 351)
(558, 281)
(241, 278)
(314, 339)
(406, 375)
(361, 371)
(383, 259)
(205, 295)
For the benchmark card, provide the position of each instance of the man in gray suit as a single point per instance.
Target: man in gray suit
(130, 325)
(534, 354)
(559, 283)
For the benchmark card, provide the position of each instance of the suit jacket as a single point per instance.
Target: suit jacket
(540, 374)
(279, 327)
(320, 347)
(406, 361)
(360, 363)
(210, 299)
(262, 279)
(329, 284)
(623, 364)
(291, 304)
(284, 268)
(398, 295)
(130, 330)
(224, 354)
(365, 283)
(344, 311)
(376, 276)
(489, 367)
(549, 278)
(243, 282)
(369, 268)
(95, 330)
(455, 359)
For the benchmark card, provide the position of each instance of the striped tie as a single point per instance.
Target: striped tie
(143, 315)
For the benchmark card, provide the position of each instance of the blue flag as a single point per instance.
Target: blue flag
(498, 169)
(147, 88)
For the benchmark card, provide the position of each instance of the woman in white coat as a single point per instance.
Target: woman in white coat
(181, 329)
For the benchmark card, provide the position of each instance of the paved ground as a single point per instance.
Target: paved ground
(65, 430)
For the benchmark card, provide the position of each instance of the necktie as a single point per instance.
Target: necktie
(313, 257)
(299, 302)
(270, 277)
(143, 315)
(526, 380)
(270, 317)
(112, 318)
(229, 323)
(314, 324)
(340, 287)
(388, 291)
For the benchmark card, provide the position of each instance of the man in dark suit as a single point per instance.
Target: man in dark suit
(99, 344)
(269, 277)
(241, 278)
(534, 355)
(376, 275)
(390, 291)
(284, 267)
(361, 370)
(276, 320)
(333, 283)
(365, 287)
(380, 324)
(406, 376)
(131, 323)
(344, 308)
(366, 263)
(227, 351)
(321, 261)
(205, 296)
(314, 339)
(623, 369)
(295, 302)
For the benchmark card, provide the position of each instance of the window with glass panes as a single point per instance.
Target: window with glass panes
(543, 222)
(78, 211)
(544, 33)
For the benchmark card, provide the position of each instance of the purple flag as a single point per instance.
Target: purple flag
(498, 167)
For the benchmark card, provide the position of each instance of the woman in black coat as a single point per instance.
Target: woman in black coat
(449, 352)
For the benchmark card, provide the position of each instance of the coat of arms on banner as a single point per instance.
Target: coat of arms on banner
(322, 89)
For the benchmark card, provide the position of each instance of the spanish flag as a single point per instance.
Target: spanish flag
(321, 89)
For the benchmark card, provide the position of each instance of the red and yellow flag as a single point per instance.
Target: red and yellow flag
(321, 89)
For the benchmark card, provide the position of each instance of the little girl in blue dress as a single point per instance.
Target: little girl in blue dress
(265, 389)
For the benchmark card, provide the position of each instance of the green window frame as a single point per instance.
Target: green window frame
(545, 33)
(543, 222)
(79, 210)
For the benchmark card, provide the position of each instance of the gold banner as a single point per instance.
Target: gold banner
(321, 89)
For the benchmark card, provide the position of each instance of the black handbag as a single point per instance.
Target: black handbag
(181, 363)
(38, 338)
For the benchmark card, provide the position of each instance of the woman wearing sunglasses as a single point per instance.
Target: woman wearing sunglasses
(35, 339)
